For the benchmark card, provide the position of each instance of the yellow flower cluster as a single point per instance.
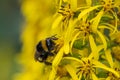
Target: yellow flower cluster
(84, 40)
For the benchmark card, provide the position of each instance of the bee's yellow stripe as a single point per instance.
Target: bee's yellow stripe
(43, 42)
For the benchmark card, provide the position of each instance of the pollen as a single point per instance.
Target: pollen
(86, 68)
(112, 76)
(108, 4)
(66, 11)
(84, 27)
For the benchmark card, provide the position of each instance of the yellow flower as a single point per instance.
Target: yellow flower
(87, 68)
(82, 51)
(114, 65)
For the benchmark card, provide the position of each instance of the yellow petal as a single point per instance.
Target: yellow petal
(116, 19)
(84, 12)
(65, 0)
(117, 2)
(109, 58)
(89, 2)
(93, 48)
(52, 74)
(109, 25)
(80, 75)
(59, 2)
(68, 36)
(92, 43)
(96, 21)
(73, 5)
(100, 47)
(75, 59)
(57, 22)
(108, 78)
(94, 77)
(74, 38)
(72, 72)
(58, 58)
(103, 39)
(66, 48)
(100, 65)
(58, 78)
(105, 27)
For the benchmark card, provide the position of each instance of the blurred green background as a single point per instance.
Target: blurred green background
(10, 28)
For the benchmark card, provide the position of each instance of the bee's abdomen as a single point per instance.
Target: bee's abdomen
(39, 47)
(50, 44)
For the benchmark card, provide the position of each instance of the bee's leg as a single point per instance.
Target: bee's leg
(48, 63)
(51, 54)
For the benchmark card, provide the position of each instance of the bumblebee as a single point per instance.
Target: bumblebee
(46, 50)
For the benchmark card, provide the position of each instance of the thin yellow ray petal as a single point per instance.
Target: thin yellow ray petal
(92, 43)
(72, 58)
(65, 0)
(103, 39)
(109, 25)
(101, 78)
(96, 21)
(105, 27)
(66, 48)
(52, 74)
(57, 22)
(93, 48)
(74, 38)
(109, 57)
(58, 57)
(68, 37)
(58, 78)
(84, 12)
(73, 5)
(100, 65)
(94, 77)
(91, 55)
(72, 72)
(100, 47)
(60, 3)
(80, 75)
(117, 2)
(89, 2)
(116, 19)
(108, 78)
(82, 7)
